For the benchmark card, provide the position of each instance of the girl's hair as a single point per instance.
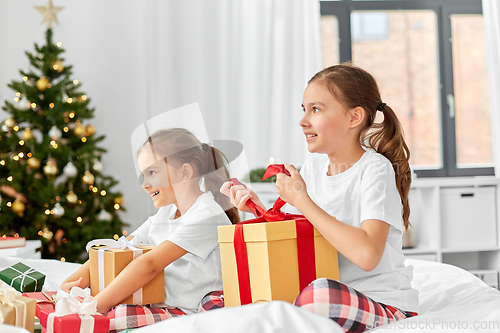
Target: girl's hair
(181, 146)
(353, 86)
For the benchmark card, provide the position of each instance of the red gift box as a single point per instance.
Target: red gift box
(63, 324)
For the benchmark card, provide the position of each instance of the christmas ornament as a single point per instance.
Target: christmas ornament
(97, 165)
(118, 200)
(57, 65)
(104, 216)
(70, 170)
(9, 122)
(34, 162)
(18, 207)
(42, 83)
(72, 197)
(50, 168)
(88, 178)
(55, 133)
(90, 130)
(5, 128)
(79, 130)
(49, 13)
(58, 210)
(27, 134)
(47, 234)
(23, 104)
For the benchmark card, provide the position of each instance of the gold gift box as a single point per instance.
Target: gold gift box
(17, 312)
(272, 261)
(115, 260)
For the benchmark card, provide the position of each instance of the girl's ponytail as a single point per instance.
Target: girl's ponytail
(217, 174)
(387, 139)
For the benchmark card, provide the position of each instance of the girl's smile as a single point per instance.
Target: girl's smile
(310, 137)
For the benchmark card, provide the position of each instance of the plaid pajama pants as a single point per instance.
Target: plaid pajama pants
(352, 310)
(211, 301)
(126, 316)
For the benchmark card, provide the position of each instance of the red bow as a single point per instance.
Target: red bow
(305, 239)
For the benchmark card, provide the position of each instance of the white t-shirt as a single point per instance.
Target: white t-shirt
(198, 272)
(367, 190)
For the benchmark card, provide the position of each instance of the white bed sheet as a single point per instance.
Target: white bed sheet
(451, 299)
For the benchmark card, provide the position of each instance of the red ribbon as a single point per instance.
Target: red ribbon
(305, 239)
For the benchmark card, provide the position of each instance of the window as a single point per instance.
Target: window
(429, 60)
(369, 26)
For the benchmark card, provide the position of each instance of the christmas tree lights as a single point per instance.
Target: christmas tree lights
(49, 155)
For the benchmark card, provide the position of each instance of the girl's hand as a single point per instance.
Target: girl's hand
(239, 195)
(67, 285)
(291, 189)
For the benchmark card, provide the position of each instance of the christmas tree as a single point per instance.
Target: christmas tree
(52, 185)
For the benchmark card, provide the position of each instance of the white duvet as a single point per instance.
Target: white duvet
(451, 299)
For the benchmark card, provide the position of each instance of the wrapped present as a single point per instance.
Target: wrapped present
(23, 278)
(62, 312)
(107, 261)
(16, 310)
(274, 256)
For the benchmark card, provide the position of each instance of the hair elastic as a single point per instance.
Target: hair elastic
(381, 107)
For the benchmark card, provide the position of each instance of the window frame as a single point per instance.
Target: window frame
(443, 9)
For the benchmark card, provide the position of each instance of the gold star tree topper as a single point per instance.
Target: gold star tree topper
(49, 13)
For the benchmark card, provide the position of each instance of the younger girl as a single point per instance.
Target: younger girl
(184, 230)
(355, 192)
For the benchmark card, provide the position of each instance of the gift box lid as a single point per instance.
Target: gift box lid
(261, 232)
(44, 302)
(116, 250)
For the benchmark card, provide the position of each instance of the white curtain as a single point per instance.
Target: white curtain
(491, 14)
(246, 62)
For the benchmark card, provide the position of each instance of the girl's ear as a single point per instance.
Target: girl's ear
(357, 116)
(187, 171)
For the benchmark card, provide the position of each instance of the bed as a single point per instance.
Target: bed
(450, 299)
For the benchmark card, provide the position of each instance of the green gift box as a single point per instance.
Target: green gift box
(23, 278)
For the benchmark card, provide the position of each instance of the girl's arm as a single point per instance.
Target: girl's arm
(363, 246)
(137, 274)
(81, 277)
